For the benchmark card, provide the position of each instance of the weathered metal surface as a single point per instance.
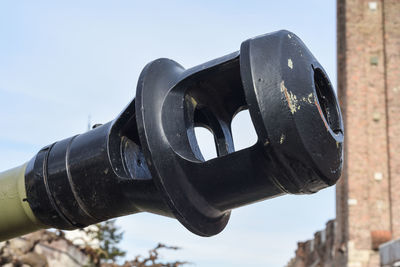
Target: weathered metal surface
(148, 158)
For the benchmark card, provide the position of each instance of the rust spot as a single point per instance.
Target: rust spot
(321, 114)
(283, 89)
(290, 98)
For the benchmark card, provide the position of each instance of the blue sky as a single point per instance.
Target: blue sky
(61, 61)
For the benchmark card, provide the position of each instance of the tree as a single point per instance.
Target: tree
(101, 242)
(152, 260)
(107, 235)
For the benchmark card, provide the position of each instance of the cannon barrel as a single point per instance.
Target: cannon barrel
(148, 159)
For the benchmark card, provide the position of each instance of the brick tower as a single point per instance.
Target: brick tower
(368, 194)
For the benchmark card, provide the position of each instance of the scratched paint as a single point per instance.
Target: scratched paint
(290, 63)
(282, 139)
(309, 99)
(291, 98)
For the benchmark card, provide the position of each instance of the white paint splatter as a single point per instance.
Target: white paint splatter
(282, 139)
(290, 63)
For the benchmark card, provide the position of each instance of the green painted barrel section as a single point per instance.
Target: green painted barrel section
(16, 217)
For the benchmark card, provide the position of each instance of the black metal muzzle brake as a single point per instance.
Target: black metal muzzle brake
(148, 158)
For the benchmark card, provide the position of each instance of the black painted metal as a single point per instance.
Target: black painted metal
(148, 159)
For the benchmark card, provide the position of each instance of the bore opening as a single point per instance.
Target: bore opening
(327, 100)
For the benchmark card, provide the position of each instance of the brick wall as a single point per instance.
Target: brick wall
(364, 189)
(319, 251)
(368, 194)
(368, 198)
(392, 62)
